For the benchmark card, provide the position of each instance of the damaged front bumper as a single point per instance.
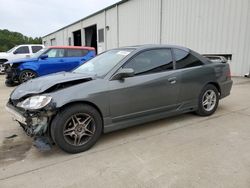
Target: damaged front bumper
(12, 73)
(17, 116)
(35, 124)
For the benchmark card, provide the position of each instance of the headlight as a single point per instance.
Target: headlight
(35, 102)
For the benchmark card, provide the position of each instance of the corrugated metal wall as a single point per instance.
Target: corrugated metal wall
(139, 22)
(207, 26)
(112, 31)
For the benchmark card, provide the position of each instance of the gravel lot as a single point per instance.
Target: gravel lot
(182, 151)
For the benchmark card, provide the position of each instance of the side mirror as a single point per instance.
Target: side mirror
(44, 56)
(124, 73)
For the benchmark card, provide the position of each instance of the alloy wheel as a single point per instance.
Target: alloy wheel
(209, 100)
(27, 76)
(79, 129)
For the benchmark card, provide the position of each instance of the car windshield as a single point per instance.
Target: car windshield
(40, 52)
(103, 63)
(12, 49)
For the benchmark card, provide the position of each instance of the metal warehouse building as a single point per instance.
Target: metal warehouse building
(216, 27)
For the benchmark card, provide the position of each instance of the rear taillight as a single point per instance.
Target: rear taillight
(228, 73)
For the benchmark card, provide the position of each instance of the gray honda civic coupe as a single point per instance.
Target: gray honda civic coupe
(117, 89)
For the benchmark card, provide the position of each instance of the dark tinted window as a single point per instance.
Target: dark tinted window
(185, 59)
(36, 48)
(55, 53)
(76, 53)
(101, 35)
(22, 50)
(151, 61)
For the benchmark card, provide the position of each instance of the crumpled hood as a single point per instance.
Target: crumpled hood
(44, 83)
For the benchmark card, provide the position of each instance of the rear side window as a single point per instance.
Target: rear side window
(55, 53)
(76, 53)
(22, 50)
(185, 59)
(151, 61)
(36, 48)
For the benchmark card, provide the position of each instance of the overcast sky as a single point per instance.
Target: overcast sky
(37, 18)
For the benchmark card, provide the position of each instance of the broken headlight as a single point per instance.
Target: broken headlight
(35, 102)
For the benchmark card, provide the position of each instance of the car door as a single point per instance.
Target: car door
(194, 76)
(54, 63)
(74, 57)
(153, 89)
(21, 52)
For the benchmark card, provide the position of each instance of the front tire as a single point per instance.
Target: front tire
(76, 128)
(26, 75)
(208, 100)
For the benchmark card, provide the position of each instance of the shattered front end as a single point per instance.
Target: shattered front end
(35, 122)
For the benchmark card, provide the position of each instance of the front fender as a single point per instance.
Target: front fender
(92, 92)
(29, 66)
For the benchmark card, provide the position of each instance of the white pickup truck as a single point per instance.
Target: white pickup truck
(18, 52)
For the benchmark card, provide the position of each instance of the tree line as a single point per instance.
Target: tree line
(9, 39)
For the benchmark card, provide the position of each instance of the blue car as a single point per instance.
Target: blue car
(47, 61)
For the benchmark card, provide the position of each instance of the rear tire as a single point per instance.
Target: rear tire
(76, 128)
(26, 75)
(208, 100)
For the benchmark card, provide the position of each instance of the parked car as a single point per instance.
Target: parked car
(117, 89)
(49, 60)
(21, 51)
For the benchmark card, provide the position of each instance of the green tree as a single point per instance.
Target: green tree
(9, 39)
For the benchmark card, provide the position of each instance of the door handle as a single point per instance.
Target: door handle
(172, 80)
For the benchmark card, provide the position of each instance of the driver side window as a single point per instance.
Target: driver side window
(151, 61)
(55, 53)
(22, 50)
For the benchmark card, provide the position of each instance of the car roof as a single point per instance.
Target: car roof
(150, 46)
(30, 45)
(73, 47)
